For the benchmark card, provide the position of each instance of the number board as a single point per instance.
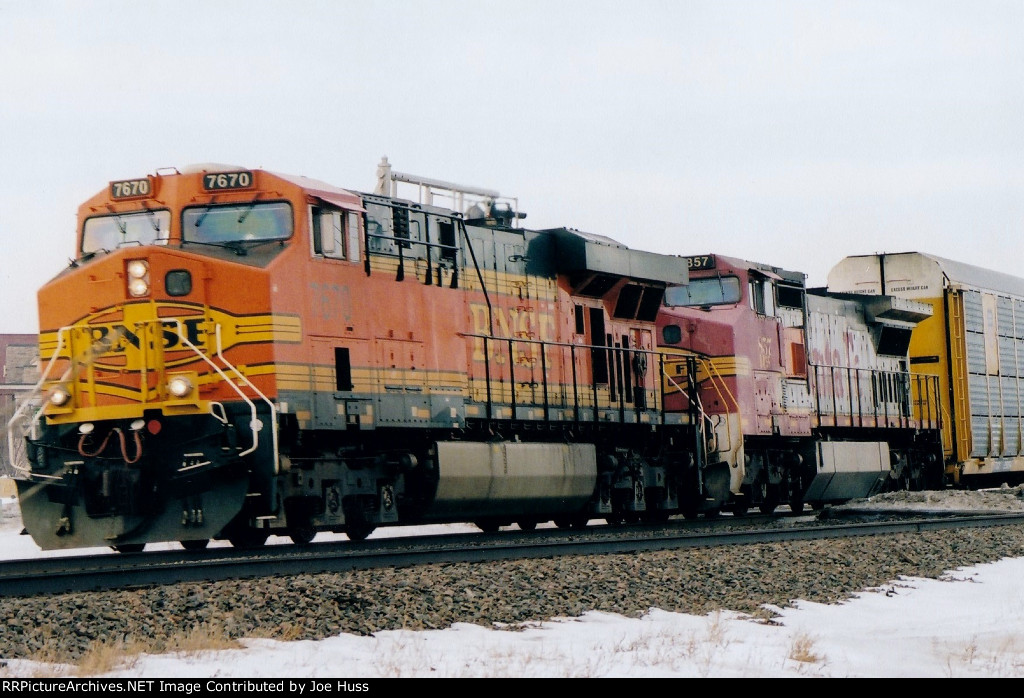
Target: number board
(130, 188)
(701, 261)
(228, 180)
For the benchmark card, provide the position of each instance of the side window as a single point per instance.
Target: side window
(756, 296)
(762, 296)
(332, 233)
(790, 296)
(354, 234)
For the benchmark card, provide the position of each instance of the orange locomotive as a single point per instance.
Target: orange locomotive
(807, 394)
(238, 353)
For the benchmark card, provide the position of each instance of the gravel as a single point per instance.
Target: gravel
(750, 579)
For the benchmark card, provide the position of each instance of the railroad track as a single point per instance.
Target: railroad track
(47, 575)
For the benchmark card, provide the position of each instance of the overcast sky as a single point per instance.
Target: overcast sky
(784, 131)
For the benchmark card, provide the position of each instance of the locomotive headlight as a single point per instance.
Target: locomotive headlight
(60, 396)
(138, 277)
(179, 386)
(137, 269)
(138, 287)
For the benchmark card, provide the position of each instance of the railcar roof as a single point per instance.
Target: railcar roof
(961, 273)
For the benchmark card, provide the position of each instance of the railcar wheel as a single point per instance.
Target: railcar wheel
(796, 505)
(197, 544)
(129, 547)
(739, 508)
(526, 525)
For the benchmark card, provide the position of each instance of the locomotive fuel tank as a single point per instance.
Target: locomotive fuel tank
(509, 480)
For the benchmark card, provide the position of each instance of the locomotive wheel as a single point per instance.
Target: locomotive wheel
(358, 530)
(769, 498)
(248, 538)
(302, 535)
(487, 525)
(577, 521)
(197, 544)
(129, 547)
(655, 516)
(796, 505)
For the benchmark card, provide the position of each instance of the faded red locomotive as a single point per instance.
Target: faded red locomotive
(807, 395)
(238, 353)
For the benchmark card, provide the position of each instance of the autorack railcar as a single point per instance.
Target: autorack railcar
(972, 345)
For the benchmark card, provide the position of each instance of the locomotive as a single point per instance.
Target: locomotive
(238, 353)
(807, 392)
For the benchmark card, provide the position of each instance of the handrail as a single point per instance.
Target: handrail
(252, 407)
(711, 369)
(883, 399)
(26, 402)
(270, 404)
(573, 347)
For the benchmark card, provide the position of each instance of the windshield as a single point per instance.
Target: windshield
(137, 228)
(237, 223)
(710, 291)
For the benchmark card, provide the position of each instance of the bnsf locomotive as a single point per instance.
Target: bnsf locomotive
(807, 394)
(237, 353)
(234, 354)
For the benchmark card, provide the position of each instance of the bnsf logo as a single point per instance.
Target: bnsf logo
(133, 344)
(138, 339)
(192, 329)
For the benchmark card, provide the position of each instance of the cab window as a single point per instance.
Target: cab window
(110, 232)
(237, 223)
(715, 290)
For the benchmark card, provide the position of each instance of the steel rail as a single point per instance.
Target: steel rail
(53, 575)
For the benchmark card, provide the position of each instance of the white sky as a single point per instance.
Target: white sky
(792, 132)
(968, 625)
